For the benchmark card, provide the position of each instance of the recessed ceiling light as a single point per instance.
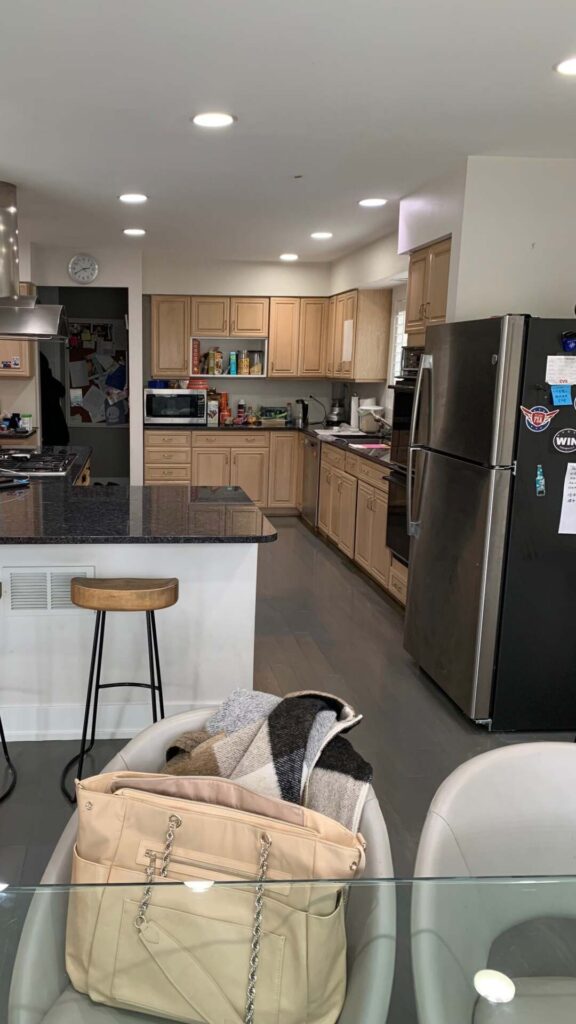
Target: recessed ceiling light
(494, 986)
(566, 67)
(213, 120)
(134, 232)
(320, 235)
(133, 197)
(372, 202)
(289, 257)
(11, 209)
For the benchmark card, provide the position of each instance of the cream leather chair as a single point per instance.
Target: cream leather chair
(510, 812)
(41, 992)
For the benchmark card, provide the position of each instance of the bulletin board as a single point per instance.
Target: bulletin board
(97, 373)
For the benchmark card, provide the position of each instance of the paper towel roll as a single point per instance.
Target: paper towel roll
(354, 403)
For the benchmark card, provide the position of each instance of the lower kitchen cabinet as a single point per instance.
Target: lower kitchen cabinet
(325, 498)
(370, 549)
(249, 470)
(211, 467)
(283, 472)
(337, 507)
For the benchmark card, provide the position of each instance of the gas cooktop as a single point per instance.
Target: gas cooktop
(48, 462)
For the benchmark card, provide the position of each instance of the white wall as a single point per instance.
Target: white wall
(374, 266)
(120, 267)
(171, 273)
(518, 245)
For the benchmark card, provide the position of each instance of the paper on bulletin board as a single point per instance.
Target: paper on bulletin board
(95, 404)
(347, 339)
(78, 373)
(568, 513)
(561, 370)
(76, 396)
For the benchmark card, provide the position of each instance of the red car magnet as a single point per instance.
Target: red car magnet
(538, 418)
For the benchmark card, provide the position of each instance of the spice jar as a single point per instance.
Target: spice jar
(244, 362)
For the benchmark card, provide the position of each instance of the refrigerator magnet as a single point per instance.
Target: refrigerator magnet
(540, 482)
(561, 394)
(538, 418)
(565, 440)
(569, 341)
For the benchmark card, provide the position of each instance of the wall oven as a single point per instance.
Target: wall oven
(173, 407)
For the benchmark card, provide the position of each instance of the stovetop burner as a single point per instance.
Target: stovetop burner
(51, 461)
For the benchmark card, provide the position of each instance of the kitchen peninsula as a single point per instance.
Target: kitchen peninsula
(207, 537)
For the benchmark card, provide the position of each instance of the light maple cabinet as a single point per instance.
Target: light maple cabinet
(283, 337)
(249, 317)
(381, 555)
(364, 526)
(312, 337)
(15, 358)
(427, 288)
(170, 356)
(211, 467)
(330, 336)
(325, 498)
(210, 316)
(347, 487)
(249, 470)
(337, 507)
(359, 335)
(283, 470)
(370, 550)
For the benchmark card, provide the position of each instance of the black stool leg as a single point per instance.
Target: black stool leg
(96, 656)
(86, 749)
(157, 660)
(11, 768)
(152, 666)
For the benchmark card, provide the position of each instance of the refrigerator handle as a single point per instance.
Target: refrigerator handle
(411, 526)
(425, 364)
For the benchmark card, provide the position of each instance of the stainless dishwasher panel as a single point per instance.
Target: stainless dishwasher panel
(311, 480)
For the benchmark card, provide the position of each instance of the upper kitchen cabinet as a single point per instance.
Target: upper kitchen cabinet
(15, 358)
(427, 288)
(330, 336)
(170, 336)
(312, 342)
(249, 317)
(283, 338)
(361, 335)
(210, 316)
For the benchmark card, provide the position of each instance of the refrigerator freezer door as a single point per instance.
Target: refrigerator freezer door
(470, 386)
(455, 576)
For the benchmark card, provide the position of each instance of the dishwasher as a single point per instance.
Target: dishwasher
(311, 481)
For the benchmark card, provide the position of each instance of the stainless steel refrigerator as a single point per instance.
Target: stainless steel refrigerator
(492, 583)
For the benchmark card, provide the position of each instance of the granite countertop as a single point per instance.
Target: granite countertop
(214, 430)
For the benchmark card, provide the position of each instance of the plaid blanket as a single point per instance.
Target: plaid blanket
(291, 748)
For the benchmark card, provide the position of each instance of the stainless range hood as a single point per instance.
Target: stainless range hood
(21, 317)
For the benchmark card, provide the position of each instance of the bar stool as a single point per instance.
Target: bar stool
(118, 595)
(11, 769)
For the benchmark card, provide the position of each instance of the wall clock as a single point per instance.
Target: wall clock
(83, 268)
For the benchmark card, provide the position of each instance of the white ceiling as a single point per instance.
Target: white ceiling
(361, 97)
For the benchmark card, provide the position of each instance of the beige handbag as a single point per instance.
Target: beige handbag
(248, 953)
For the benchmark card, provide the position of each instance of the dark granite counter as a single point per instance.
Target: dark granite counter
(169, 427)
(51, 511)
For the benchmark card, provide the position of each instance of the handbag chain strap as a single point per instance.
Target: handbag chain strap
(265, 844)
(174, 822)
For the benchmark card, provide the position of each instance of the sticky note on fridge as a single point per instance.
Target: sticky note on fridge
(561, 394)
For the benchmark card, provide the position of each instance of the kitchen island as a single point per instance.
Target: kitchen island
(207, 537)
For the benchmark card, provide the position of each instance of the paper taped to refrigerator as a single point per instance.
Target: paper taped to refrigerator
(568, 513)
(561, 370)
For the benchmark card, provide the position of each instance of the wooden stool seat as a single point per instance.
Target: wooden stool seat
(124, 595)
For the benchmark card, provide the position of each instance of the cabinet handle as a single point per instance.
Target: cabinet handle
(427, 309)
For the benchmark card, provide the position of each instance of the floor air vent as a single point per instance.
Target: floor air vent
(37, 590)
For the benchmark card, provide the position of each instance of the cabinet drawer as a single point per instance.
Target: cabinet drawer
(375, 475)
(230, 439)
(173, 474)
(333, 457)
(160, 456)
(400, 570)
(167, 439)
(397, 586)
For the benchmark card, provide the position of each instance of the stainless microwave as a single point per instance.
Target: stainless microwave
(171, 406)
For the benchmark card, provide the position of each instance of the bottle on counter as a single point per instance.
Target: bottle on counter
(240, 412)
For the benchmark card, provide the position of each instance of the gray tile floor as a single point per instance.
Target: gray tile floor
(320, 624)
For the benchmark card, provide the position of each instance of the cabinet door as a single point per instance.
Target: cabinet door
(350, 305)
(300, 473)
(381, 555)
(313, 323)
(325, 498)
(171, 348)
(335, 494)
(282, 478)
(364, 514)
(416, 296)
(211, 467)
(437, 290)
(347, 487)
(210, 316)
(284, 332)
(249, 470)
(330, 337)
(249, 318)
(15, 358)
